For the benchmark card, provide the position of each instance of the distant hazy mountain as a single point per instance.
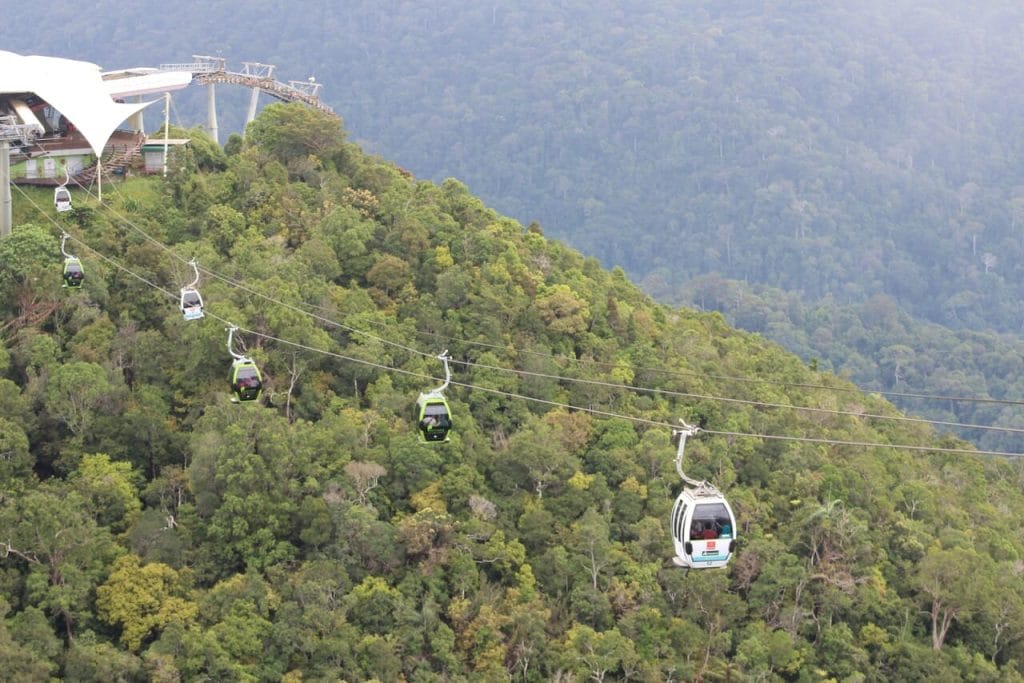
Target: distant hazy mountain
(842, 151)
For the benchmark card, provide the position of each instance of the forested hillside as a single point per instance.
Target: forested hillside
(152, 530)
(974, 377)
(842, 153)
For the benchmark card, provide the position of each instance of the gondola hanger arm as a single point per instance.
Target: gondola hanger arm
(231, 334)
(443, 356)
(63, 241)
(195, 269)
(686, 431)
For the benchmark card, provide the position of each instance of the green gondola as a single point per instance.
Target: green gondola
(73, 272)
(433, 417)
(246, 380)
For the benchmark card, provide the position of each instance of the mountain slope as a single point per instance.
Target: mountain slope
(151, 529)
(840, 152)
(844, 149)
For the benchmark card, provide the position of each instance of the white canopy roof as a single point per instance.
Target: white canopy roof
(144, 81)
(73, 88)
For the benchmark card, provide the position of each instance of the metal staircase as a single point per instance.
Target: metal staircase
(122, 154)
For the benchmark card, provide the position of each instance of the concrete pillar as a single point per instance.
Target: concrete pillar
(136, 121)
(253, 100)
(5, 189)
(211, 112)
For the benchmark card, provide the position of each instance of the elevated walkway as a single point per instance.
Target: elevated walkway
(210, 70)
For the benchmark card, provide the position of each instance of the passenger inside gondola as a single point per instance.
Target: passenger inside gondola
(435, 423)
(703, 530)
(247, 383)
(73, 273)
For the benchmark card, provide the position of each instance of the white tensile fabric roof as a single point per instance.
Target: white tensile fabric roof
(73, 88)
(120, 84)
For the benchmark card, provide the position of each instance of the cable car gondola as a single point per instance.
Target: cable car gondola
(61, 194)
(73, 273)
(191, 303)
(434, 418)
(62, 199)
(244, 377)
(246, 381)
(703, 529)
(703, 524)
(433, 415)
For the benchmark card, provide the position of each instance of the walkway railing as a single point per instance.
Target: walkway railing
(255, 75)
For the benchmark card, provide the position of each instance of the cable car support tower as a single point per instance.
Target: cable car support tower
(10, 132)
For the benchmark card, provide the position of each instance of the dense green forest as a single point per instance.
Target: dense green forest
(152, 530)
(842, 153)
(889, 351)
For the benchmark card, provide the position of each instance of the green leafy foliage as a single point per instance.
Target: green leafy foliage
(150, 528)
(789, 148)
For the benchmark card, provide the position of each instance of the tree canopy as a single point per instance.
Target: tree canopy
(152, 530)
(813, 156)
